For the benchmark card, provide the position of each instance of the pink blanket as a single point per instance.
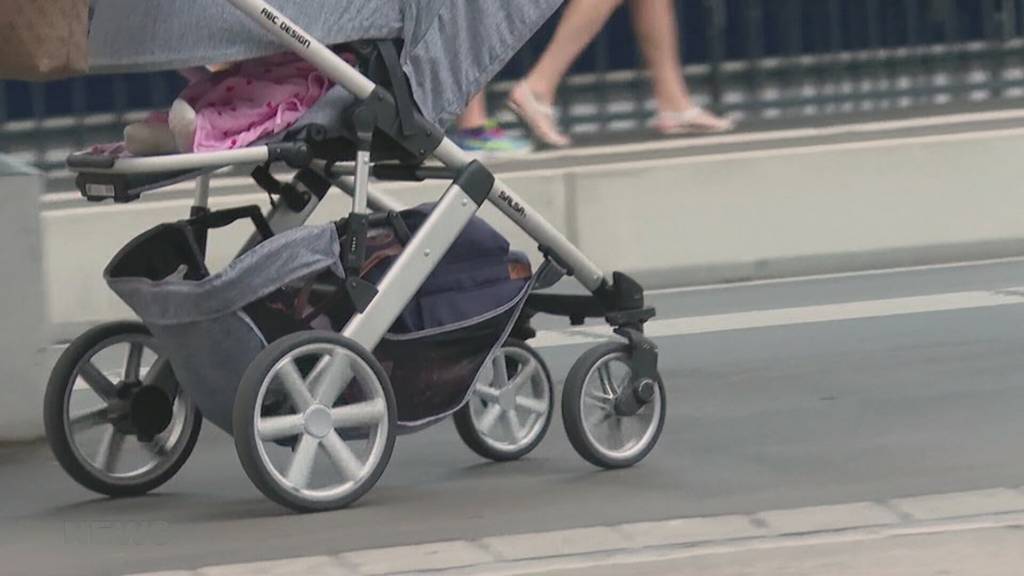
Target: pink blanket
(245, 102)
(252, 100)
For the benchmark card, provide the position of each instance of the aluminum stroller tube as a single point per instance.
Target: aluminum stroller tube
(202, 197)
(517, 210)
(360, 192)
(419, 258)
(307, 47)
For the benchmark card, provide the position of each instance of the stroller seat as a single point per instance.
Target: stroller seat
(328, 133)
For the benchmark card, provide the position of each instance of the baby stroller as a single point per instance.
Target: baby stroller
(319, 344)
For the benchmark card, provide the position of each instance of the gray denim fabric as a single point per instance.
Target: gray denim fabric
(201, 326)
(452, 47)
(285, 258)
(209, 360)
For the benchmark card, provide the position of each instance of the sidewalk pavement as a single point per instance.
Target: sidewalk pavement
(978, 533)
(979, 552)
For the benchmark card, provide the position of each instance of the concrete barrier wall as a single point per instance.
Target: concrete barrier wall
(701, 219)
(804, 211)
(22, 301)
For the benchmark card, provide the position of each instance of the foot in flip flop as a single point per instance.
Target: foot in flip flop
(694, 120)
(538, 116)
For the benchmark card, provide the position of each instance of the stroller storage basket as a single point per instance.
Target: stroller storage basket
(213, 326)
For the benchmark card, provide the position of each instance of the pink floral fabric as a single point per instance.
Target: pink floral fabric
(252, 100)
(244, 102)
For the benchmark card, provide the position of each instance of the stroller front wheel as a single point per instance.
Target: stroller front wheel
(314, 421)
(509, 410)
(600, 433)
(116, 419)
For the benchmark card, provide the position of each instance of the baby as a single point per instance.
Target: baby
(231, 106)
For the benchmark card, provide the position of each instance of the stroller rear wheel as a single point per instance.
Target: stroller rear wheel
(314, 421)
(116, 418)
(599, 432)
(509, 410)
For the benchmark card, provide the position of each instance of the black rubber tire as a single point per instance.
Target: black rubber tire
(56, 430)
(245, 434)
(471, 436)
(573, 419)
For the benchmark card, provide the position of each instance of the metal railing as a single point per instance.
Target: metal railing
(764, 59)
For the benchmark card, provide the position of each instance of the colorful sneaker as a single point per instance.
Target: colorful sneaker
(491, 140)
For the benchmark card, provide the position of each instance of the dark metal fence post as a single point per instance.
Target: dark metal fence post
(754, 47)
(79, 109)
(602, 62)
(1010, 15)
(716, 30)
(835, 46)
(877, 69)
(120, 94)
(38, 100)
(4, 115)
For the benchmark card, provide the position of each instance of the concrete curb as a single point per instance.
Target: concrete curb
(661, 540)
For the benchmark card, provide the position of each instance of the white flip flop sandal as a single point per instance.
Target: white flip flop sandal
(540, 118)
(695, 120)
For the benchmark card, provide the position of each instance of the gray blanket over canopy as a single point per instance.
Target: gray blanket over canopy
(452, 47)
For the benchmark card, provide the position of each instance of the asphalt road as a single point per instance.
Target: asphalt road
(798, 413)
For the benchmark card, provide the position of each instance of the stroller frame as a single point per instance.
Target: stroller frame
(616, 297)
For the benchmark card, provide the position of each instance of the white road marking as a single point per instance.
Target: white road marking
(836, 275)
(793, 316)
(858, 310)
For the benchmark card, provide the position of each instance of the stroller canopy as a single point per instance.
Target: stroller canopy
(452, 47)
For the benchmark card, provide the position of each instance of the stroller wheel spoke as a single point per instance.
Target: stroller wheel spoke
(98, 381)
(532, 405)
(161, 376)
(500, 372)
(487, 393)
(295, 385)
(88, 420)
(525, 375)
(278, 427)
(334, 379)
(345, 461)
(489, 418)
(531, 421)
(514, 426)
(595, 400)
(358, 415)
(110, 450)
(133, 363)
(314, 380)
(301, 467)
(607, 382)
(158, 447)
